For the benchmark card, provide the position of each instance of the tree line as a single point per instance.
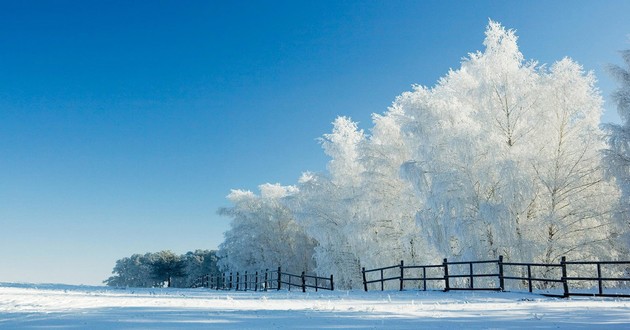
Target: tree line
(503, 156)
(163, 268)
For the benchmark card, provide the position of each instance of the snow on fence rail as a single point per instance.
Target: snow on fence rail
(264, 280)
(492, 275)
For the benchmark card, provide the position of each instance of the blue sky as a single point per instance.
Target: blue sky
(124, 124)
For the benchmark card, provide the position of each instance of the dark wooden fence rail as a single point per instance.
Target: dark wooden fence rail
(424, 279)
(599, 278)
(291, 280)
(471, 275)
(382, 279)
(531, 278)
(264, 280)
(502, 271)
(317, 282)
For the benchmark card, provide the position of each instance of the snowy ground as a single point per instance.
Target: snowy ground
(27, 306)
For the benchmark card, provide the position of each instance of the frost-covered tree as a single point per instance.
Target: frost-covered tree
(576, 203)
(387, 202)
(327, 205)
(500, 157)
(264, 233)
(617, 156)
(508, 156)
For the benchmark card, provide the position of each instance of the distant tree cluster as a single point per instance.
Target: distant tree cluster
(502, 156)
(163, 268)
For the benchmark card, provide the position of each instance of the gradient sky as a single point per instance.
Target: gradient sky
(124, 124)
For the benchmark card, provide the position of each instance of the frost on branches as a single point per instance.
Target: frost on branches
(617, 156)
(501, 157)
(264, 234)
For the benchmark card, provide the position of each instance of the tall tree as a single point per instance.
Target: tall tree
(327, 205)
(508, 154)
(617, 156)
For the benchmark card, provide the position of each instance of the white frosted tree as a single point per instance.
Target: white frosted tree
(617, 155)
(388, 206)
(575, 202)
(467, 135)
(363, 212)
(263, 233)
(505, 157)
(327, 204)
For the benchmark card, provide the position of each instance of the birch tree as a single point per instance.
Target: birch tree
(617, 155)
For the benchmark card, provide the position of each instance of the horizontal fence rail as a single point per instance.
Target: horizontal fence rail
(597, 271)
(494, 274)
(264, 280)
(528, 273)
(467, 272)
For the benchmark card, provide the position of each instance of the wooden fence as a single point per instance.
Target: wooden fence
(265, 280)
(494, 274)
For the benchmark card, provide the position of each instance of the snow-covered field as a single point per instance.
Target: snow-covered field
(29, 306)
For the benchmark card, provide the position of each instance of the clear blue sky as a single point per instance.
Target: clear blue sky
(124, 124)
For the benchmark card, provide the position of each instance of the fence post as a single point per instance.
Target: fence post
(266, 279)
(256, 282)
(280, 278)
(424, 278)
(599, 278)
(472, 285)
(565, 284)
(501, 276)
(303, 282)
(382, 281)
(402, 274)
(364, 279)
(446, 284)
(245, 281)
(231, 280)
(332, 284)
(529, 277)
(238, 280)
